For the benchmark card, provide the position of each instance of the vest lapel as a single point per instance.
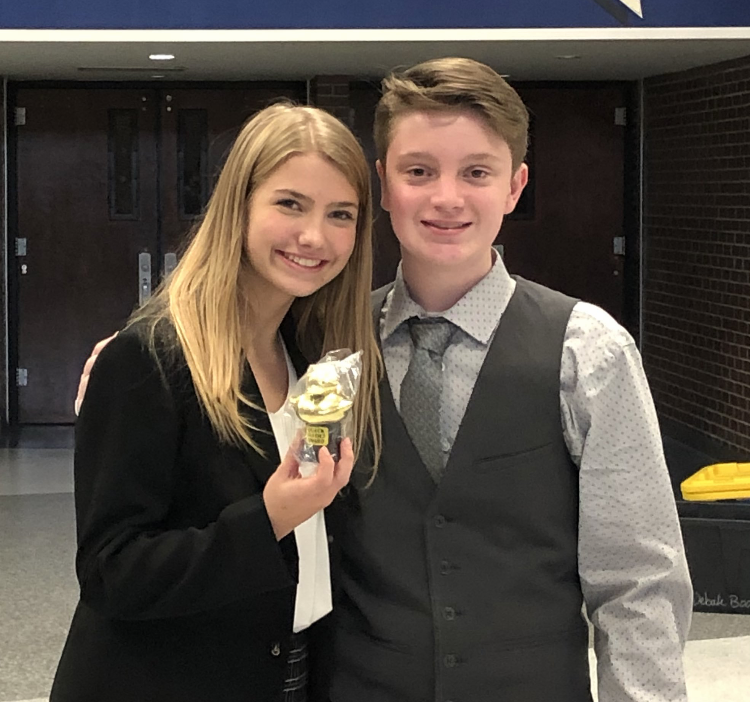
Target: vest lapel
(514, 360)
(488, 386)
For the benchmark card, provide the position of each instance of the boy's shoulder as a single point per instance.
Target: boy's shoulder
(377, 297)
(543, 292)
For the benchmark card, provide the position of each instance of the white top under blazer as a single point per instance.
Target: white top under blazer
(314, 598)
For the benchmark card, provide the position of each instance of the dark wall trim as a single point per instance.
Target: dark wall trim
(4, 250)
(632, 213)
(698, 441)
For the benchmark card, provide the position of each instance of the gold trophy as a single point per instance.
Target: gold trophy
(323, 403)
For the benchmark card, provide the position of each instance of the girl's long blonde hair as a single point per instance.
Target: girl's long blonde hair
(203, 297)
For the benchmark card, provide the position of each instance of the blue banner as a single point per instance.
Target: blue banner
(377, 14)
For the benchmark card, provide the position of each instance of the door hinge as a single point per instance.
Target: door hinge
(20, 247)
(19, 116)
(619, 245)
(22, 377)
(621, 116)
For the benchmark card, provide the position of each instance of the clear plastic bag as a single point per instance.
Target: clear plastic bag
(320, 404)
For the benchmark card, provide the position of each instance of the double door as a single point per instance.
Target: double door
(110, 182)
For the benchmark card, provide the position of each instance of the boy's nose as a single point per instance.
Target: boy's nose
(448, 194)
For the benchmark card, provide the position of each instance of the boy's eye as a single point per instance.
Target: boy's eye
(478, 173)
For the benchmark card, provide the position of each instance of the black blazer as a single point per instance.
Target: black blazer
(185, 592)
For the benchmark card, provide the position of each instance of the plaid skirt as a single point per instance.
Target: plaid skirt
(295, 684)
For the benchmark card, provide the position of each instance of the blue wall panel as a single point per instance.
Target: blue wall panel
(310, 14)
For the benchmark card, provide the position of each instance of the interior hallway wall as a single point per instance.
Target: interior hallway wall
(696, 316)
(331, 93)
(3, 240)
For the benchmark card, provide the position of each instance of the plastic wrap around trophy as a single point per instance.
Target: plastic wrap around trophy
(322, 401)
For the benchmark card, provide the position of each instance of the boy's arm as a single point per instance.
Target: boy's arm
(84, 381)
(632, 563)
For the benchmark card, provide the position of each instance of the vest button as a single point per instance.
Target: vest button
(276, 649)
(440, 521)
(450, 661)
(449, 613)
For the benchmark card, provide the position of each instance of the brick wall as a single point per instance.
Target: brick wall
(696, 341)
(331, 93)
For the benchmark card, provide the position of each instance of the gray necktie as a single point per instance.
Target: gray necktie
(421, 389)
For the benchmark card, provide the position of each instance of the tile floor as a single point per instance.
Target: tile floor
(38, 589)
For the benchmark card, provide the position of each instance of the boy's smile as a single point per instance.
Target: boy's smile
(447, 183)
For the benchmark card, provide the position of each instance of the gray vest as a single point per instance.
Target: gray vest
(468, 591)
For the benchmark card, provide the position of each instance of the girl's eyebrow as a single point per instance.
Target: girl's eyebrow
(293, 193)
(308, 199)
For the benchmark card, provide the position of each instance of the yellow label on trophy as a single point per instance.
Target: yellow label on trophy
(317, 436)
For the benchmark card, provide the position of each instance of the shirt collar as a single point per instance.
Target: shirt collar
(477, 313)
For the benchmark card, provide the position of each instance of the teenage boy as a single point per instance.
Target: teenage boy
(522, 474)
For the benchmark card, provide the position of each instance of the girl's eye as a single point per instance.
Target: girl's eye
(343, 215)
(417, 172)
(289, 204)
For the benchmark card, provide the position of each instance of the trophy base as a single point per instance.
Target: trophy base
(319, 435)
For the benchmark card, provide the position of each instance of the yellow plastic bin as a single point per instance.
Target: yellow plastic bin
(720, 481)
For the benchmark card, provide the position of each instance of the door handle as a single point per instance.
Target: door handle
(144, 277)
(170, 263)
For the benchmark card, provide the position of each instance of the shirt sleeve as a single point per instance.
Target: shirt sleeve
(132, 561)
(632, 563)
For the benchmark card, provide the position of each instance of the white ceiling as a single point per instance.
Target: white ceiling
(524, 54)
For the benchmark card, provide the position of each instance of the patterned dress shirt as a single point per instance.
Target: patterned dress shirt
(631, 558)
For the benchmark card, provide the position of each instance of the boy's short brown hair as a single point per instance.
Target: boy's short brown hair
(454, 83)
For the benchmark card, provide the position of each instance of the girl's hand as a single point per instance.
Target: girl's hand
(291, 499)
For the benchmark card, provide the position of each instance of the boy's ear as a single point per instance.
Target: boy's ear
(380, 168)
(517, 183)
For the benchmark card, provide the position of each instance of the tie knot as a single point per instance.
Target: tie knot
(432, 334)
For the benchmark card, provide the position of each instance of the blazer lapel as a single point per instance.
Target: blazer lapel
(265, 463)
(288, 331)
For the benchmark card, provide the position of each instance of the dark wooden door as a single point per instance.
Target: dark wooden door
(86, 198)
(574, 207)
(199, 126)
(103, 176)
(565, 239)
